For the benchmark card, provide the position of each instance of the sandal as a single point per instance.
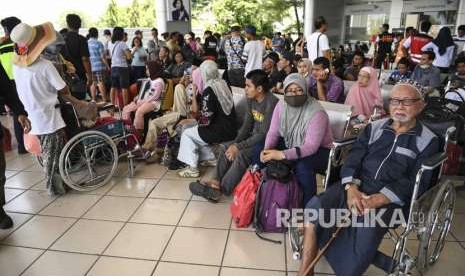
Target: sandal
(207, 192)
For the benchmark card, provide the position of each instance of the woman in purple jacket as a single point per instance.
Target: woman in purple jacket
(303, 125)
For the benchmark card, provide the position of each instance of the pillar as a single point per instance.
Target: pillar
(461, 13)
(161, 16)
(309, 10)
(395, 15)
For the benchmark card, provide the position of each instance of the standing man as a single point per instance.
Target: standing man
(277, 43)
(10, 98)
(417, 41)
(99, 65)
(210, 45)
(383, 45)
(6, 55)
(234, 47)
(401, 51)
(153, 46)
(254, 50)
(76, 50)
(318, 42)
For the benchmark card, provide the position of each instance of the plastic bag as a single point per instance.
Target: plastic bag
(32, 144)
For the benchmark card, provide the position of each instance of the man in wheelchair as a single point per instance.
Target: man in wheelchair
(378, 175)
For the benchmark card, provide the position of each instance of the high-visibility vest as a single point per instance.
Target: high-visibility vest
(417, 42)
(6, 58)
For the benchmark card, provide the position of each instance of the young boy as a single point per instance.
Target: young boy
(402, 71)
(236, 156)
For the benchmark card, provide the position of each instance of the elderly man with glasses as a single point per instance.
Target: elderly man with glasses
(377, 175)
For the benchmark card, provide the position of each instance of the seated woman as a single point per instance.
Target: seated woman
(302, 122)
(364, 96)
(217, 122)
(176, 70)
(151, 100)
(185, 104)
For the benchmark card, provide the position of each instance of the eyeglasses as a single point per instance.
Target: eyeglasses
(405, 102)
(294, 92)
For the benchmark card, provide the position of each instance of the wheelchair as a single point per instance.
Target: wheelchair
(435, 206)
(90, 157)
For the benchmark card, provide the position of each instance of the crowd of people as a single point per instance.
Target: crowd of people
(186, 84)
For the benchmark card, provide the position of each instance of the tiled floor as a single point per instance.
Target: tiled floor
(149, 225)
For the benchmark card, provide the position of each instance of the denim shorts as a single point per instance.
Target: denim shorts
(120, 77)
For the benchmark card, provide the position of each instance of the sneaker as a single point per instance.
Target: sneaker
(189, 172)
(208, 163)
(176, 165)
(5, 221)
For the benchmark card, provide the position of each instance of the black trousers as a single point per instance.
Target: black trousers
(2, 176)
(19, 132)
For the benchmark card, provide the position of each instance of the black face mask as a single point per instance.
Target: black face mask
(296, 101)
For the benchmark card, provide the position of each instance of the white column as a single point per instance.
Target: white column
(395, 15)
(309, 10)
(461, 13)
(161, 16)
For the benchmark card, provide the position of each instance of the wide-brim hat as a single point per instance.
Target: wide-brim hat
(31, 41)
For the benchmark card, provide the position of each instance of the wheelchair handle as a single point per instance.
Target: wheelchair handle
(344, 141)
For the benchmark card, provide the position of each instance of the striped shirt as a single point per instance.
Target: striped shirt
(96, 51)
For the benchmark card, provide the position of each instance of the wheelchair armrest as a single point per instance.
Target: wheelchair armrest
(434, 161)
(342, 142)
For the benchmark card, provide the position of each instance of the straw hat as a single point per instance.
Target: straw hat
(31, 41)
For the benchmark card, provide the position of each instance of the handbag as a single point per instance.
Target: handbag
(282, 170)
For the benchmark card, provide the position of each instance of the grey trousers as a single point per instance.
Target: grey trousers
(230, 173)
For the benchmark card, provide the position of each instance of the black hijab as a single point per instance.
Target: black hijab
(443, 40)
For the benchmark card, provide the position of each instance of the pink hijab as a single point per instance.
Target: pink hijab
(365, 99)
(197, 79)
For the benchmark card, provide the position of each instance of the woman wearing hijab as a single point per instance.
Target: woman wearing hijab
(301, 123)
(216, 124)
(365, 95)
(443, 46)
(304, 68)
(151, 98)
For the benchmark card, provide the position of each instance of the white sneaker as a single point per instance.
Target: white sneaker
(189, 172)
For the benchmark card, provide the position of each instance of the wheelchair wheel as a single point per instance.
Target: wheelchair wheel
(88, 161)
(437, 225)
(296, 240)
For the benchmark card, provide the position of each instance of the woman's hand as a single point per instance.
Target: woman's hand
(268, 155)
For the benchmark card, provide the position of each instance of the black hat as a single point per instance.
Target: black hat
(273, 56)
(9, 23)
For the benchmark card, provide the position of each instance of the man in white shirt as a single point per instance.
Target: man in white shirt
(254, 50)
(318, 43)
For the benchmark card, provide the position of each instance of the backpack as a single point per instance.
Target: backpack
(245, 193)
(273, 195)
